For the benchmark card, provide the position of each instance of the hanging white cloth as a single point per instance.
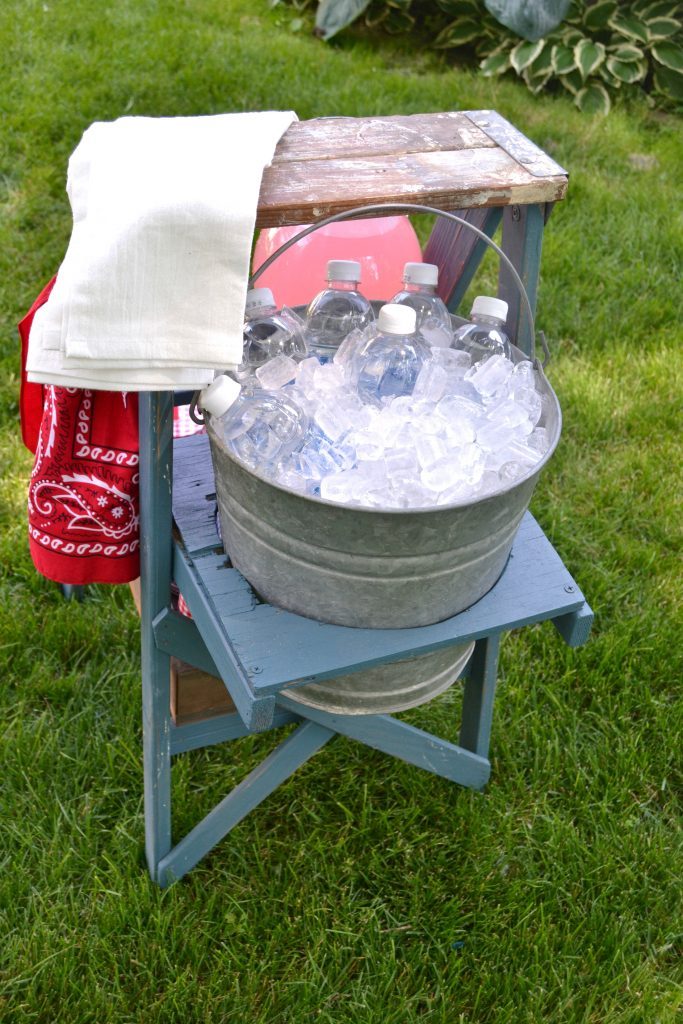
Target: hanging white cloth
(151, 291)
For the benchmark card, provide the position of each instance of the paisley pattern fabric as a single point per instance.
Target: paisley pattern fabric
(83, 498)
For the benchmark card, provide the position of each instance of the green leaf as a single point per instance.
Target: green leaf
(453, 8)
(574, 11)
(669, 83)
(571, 36)
(593, 99)
(633, 71)
(669, 54)
(588, 56)
(626, 53)
(543, 62)
(458, 33)
(536, 82)
(608, 79)
(659, 10)
(572, 81)
(563, 59)
(662, 28)
(627, 25)
(597, 16)
(334, 15)
(495, 64)
(525, 53)
(399, 21)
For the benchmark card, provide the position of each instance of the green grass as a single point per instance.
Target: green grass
(363, 890)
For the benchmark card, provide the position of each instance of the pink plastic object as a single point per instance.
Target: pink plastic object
(382, 245)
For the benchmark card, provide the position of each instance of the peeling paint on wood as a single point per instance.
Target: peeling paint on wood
(330, 165)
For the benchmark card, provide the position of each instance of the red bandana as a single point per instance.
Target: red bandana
(83, 501)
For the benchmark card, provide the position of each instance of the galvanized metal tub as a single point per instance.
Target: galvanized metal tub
(387, 688)
(370, 567)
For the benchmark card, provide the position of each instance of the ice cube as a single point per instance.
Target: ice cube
(511, 414)
(511, 471)
(276, 372)
(490, 483)
(454, 360)
(456, 494)
(490, 375)
(492, 436)
(328, 377)
(400, 461)
(459, 431)
(339, 487)
(456, 408)
(441, 476)
(430, 383)
(524, 375)
(430, 449)
(410, 493)
(529, 400)
(305, 372)
(539, 440)
(435, 332)
(333, 421)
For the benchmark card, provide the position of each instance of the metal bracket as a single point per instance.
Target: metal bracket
(516, 145)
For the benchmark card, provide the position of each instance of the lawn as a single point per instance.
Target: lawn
(363, 891)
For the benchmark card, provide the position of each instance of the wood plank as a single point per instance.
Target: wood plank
(194, 500)
(326, 138)
(196, 695)
(275, 648)
(259, 783)
(279, 648)
(299, 192)
(221, 729)
(457, 252)
(504, 134)
(256, 711)
(397, 738)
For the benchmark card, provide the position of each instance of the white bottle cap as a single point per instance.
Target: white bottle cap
(257, 298)
(217, 398)
(421, 273)
(395, 318)
(486, 305)
(343, 270)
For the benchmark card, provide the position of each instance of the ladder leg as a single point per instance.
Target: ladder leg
(156, 466)
(458, 252)
(522, 242)
(480, 690)
(299, 746)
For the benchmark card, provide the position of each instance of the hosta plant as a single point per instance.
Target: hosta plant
(600, 48)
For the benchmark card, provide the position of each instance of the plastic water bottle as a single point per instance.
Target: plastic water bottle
(337, 310)
(259, 427)
(268, 332)
(433, 318)
(485, 335)
(391, 362)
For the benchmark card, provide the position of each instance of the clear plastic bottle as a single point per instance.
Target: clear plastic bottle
(268, 332)
(485, 336)
(259, 427)
(433, 318)
(337, 310)
(390, 363)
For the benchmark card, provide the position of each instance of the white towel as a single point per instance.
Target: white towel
(151, 291)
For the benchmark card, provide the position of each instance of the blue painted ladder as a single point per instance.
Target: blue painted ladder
(474, 162)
